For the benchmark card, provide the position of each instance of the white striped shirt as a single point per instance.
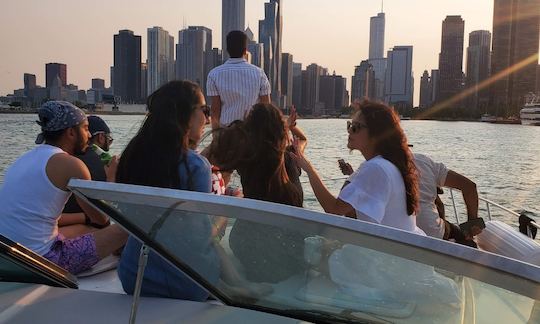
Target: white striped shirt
(239, 86)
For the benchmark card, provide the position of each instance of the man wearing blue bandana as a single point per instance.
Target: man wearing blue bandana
(35, 191)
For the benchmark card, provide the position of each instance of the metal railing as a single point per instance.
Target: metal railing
(489, 204)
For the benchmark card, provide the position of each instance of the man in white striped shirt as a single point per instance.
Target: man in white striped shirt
(235, 86)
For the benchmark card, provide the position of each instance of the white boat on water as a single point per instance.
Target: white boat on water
(530, 113)
(375, 274)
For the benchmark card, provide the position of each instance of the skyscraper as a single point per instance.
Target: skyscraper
(29, 83)
(127, 66)
(363, 81)
(287, 79)
(399, 77)
(425, 90)
(310, 89)
(332, 93)
(515, 39)
(160, 58)
(256, 50)
(233, 17)
(478, 67)
(376, 36)
(451, 58)
(270, 32)
(193, 54)
(435, 77)
(54, 70)
(376, 55)
(98, 84)
(144, 80)
(297, 85)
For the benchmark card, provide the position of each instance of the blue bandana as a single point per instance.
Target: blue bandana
(58, 115)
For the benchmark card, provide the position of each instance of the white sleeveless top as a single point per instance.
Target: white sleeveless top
(30, 204)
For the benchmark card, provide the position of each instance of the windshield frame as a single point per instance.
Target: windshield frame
(512, 275)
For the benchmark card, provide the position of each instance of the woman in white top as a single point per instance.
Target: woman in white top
(384, 189)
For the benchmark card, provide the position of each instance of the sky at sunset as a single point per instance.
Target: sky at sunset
(333, 34)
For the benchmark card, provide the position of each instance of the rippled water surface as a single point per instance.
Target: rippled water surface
(503, 160)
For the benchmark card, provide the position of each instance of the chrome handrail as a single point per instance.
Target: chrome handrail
(488, 204)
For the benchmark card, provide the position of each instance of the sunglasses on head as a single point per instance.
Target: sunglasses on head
(355, 127)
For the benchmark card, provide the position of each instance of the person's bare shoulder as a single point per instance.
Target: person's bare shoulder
(62, 167)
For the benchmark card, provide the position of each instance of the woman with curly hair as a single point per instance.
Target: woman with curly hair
(256, 148)
(384, 189)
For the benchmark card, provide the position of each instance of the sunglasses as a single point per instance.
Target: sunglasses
(355, 127)
(206, 110)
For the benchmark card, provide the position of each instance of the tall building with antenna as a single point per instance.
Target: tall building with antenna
(376, 51)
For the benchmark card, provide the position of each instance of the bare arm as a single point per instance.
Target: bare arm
(63, 167)
(440, 207)
(329, 203)
(468, 189)
(297, 133)
(215, 111)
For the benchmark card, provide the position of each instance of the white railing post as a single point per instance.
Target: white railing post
(454, 206)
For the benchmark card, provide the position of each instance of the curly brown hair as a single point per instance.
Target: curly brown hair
(391, 143)
(256, 148)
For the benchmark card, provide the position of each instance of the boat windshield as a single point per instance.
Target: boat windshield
(320, 267)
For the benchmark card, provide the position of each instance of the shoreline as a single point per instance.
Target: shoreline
(97, 112)
(139, 113)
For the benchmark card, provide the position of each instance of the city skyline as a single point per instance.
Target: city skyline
(316, 47)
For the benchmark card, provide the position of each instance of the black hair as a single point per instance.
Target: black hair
(152, 157)
(53, 136)
(236, 43)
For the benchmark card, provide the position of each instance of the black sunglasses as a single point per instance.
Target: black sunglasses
(355, 127)
(206, 110)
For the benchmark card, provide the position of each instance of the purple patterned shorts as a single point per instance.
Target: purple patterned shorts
(75, 255)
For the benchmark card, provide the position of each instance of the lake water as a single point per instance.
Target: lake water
(503, 160)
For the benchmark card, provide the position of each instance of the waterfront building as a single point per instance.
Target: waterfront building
(54, 70)
(363, 82)
(435, 77)
(538, 80)
(127, 67)
(399, 77)
(297, 85)
(98, 84)
(270, 34)
(310, 89)
(451, 58)
(516, 33)
(332, 93)
(376, 54)
(478, 69)
(287, 79)
(233, 17)
(255, 50)
(425, 90)
(193, 55)
(160, 58)
(144, 81)
(29, 83)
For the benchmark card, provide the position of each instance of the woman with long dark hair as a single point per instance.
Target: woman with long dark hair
(256, 148)
(384, 189)
(158, 156)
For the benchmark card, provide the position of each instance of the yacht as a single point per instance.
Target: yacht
(530, 113)
(372, 273)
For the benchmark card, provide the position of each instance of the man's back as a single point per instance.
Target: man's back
(30, 203)
(239, 85)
